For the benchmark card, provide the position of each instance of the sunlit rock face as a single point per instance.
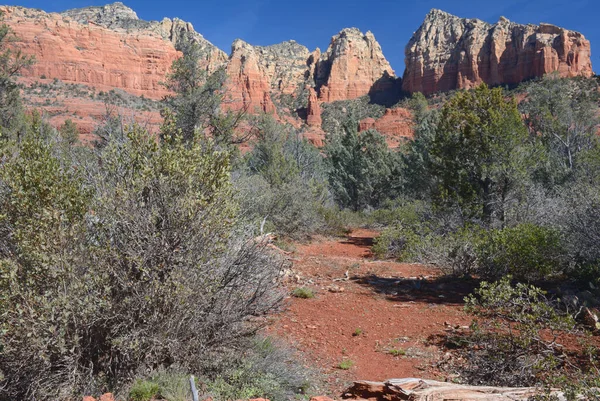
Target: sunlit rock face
(448, 52)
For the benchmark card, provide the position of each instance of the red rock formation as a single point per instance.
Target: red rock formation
(396, 125)
(315, 135)
(248, 87)
(352, 66)
(284, 65)
(135, 59)
(313, 117)
(108, 47)
(448, 52)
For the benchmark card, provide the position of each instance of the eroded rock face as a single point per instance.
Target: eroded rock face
(448, 52)
(396, 125)
(352, 66)
(285, 65)
(109, 47)
(248, 86)
(106, 47)
(313, 117)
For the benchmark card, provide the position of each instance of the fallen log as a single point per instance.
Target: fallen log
(412, 389)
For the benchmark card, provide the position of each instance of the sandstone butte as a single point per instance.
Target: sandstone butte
(448, 52)
(109, 47)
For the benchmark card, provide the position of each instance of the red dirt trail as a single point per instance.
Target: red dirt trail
(380, 315)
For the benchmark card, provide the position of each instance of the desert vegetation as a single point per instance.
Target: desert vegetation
(131, 264)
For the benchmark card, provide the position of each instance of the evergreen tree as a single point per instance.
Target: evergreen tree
(363, 171)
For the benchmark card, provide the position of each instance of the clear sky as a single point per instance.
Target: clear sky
(313, 22)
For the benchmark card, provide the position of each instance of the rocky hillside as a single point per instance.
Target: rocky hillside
(106, 47)
(448, 52)
(109, 47)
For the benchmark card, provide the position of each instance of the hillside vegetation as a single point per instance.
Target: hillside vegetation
(128, 265)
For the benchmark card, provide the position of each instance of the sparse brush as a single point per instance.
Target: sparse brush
(346, 364)
(303, 292)
(397, 352)
(143, 390)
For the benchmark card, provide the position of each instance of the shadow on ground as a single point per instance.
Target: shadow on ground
(435, 290)
(363, 242)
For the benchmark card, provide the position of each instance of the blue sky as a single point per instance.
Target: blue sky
(313, 22)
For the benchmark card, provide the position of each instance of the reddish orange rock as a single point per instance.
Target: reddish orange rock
(248, 88)
(353, 66)
(77, 51)
(396, 125)
(448, 52)
(107, 397)
(313, 118)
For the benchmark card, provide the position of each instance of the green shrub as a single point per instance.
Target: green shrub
(414, 233)
(268, 370)
(362, 170)
(526, 251)
(305, 293)
(517, 338)
(281, 185)
(138, 262)
(346, 364)
(143, 390)
(397, 352)
(341, 221)
(172, 386)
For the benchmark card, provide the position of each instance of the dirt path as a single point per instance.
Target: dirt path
(382, 317)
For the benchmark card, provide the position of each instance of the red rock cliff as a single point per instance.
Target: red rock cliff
(352, 66)
(448, 52)
(106, 47)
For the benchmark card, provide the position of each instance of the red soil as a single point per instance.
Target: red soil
(364, 309)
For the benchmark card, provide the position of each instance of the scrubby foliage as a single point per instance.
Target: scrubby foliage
(11, 63)
(335, 115)
(281, 182)
(499, 199)
(362, 170)
(479, 154)
(131, 265)
(520, 337)
(132, 259)
(563, 114)
(198, 99)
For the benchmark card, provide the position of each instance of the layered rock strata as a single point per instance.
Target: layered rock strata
(448, 52)
(106, 47)
(352, 66)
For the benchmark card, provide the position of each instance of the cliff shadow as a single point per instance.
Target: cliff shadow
(387, 91)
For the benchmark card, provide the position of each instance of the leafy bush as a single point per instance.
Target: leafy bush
(143, 390)
(562, 114)
(346, 364)
(479, 154)
(281, 185)
(269, 370)
(526, 251)
(516, 338)
(336, 114)
(131, 259)
(303, 292)
(362, 170)
(172, 386)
